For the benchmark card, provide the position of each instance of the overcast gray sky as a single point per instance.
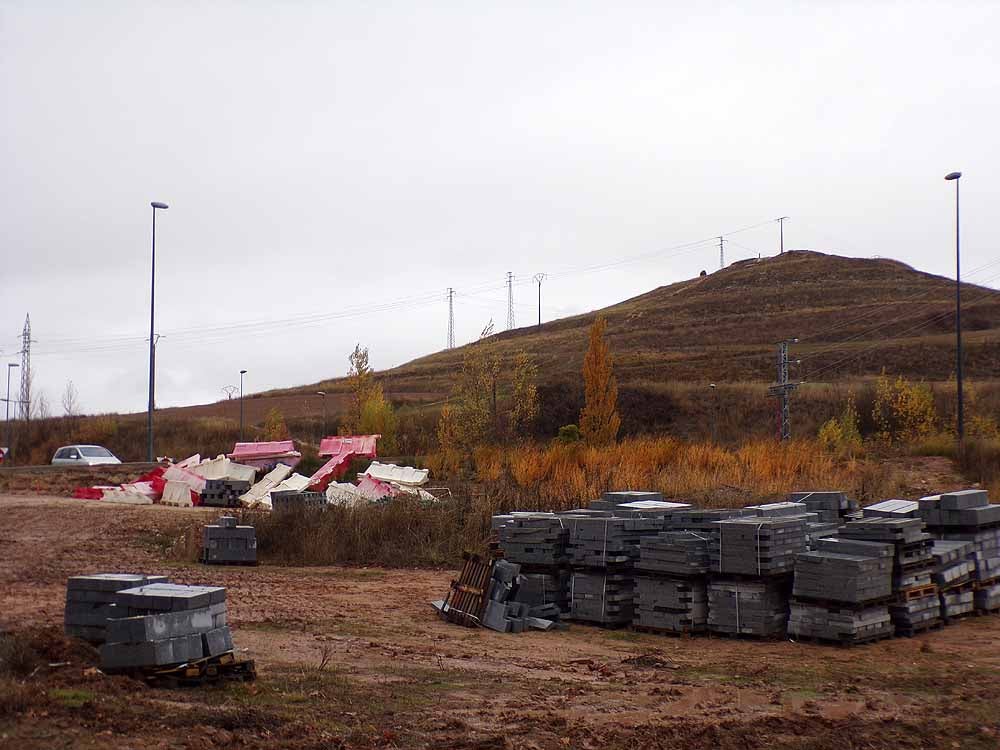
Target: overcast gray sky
(332, 168)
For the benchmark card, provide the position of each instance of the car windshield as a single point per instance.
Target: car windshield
(93, 451)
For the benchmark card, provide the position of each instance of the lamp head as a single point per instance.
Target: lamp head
(953, 175)
(157, 204)
(243, 372)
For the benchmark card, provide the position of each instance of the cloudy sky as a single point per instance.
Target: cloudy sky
(332, 168)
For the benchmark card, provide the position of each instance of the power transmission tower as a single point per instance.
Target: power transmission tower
(230, 391)
(510, 301)
(781, 234)
(782, 390)
(539, 278)
(722, 254)
(451, 318)
(25, 398)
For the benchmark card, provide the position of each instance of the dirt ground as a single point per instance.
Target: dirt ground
(356, 658)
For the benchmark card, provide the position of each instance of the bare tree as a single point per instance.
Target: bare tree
(40, 408)
(70, 400)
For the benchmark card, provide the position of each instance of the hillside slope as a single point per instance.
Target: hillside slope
(852, 316)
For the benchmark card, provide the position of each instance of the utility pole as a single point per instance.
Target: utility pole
(25, 398)
(451, 318)
(539, 278)
(782, 390)
(722, 254)
(510, 301)
(960, 421)
(781, 233)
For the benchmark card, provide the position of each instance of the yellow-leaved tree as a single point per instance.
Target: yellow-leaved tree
(599, 420)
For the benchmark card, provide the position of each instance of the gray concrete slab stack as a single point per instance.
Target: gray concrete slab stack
(290, 501)
(603, 552)
(752, 606)
(892, 509)
(226, 543)
(967, 517)
(841, 592)
(166, 624)
(223, 493)
(830, 506)
(672, 583)
(537, 542)
(758, 545)
(611, 500)
(510, 606)
(916, 606)
(91, 602)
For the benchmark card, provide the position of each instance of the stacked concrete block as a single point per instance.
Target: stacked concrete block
(831, 507)
(758, 545)
(602, 597)
(671, 582)
(847, 624)
(986, 597)
(166, 624)
(611, 500)
(892, 509)
(287, 501)
(546, 593)
(607, 542)
(534, 539)
(227, 543)
(965, 509)
(957, 602)
(748, 607)
(223, 493)
(91, 602)
(841, 592)
(954, 564)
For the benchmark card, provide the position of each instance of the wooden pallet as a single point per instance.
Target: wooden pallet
(213, 669)
(923, 627)
(243, 563)
(917, 592)
(466, 599)
(842, 642)
(686, 633)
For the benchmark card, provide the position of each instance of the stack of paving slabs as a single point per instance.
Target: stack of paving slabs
(966, 510)
(703, 521)
(534, 539)
(223, 493)
(596, 542)
(954, 574)
(831, 507)
(916, 605)
(755, 607)
(166, 624)
(758, 545)
(546, 593)
(649, 509)
(841, 592)
(671, 583)
(226, 543)
(604, 597)
(285, 501)
(611, 500)
(90, 602)
(892, 509)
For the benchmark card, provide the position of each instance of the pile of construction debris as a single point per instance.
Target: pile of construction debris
(231, 480)
(816, 567)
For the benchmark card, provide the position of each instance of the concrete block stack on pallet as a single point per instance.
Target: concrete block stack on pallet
(603, 552)
(284, 501)
(223, 493)
(916, 606)
(226, 543)
(91, 602)
(841, 592)
(537, 543)
(671, 583)
(830, 507)
(967, 516)
(166, 624)
(752, 567)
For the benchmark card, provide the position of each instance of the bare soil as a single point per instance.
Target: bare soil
(356, 658)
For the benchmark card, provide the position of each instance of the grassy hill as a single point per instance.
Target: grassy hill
(852, 318)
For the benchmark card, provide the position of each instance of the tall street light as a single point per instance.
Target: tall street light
(152, 340)
(242, 373)
(322, 394)
(958, 312)
(10, 366)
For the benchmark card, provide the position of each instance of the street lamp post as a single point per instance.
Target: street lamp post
(242, 373)
(152, 341)
(715, 412)
(958, 313)
(322, 394)
(10, 366)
